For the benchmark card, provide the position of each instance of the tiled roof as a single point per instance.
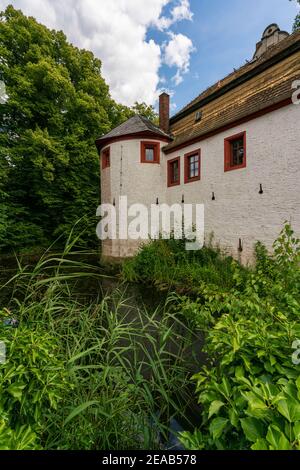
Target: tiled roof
(269, 54)
(135, 125)
(243, 100)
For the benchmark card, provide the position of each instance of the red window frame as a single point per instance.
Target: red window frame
(171, 182)
(153, 145)
(105, 157)
(228, 155)
(187, 157)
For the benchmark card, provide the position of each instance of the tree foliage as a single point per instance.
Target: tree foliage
(297, 19)
(58, 105)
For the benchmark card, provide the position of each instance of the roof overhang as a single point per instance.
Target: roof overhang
(249, 117)
(238, 81)
(103, 142)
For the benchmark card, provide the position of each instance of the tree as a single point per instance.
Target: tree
(297, 19)
(145, 110)
(58, 104)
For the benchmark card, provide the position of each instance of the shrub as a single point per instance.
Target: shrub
(100, 374)
(166, 264)
(32, 382)
(250, 392)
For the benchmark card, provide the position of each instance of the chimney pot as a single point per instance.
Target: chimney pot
(164, 112)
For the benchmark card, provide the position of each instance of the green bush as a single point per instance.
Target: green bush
(250, 389)
(167, 264)
(87, 375)
(32, 382)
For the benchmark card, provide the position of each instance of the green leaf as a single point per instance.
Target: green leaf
(296, 430)
(25, 438)
(277, 439)
(82, 408)
(217, 427)
(252, 428)
(16, 390)
(234, 417)
(215, 407)
(260, 444)
(290, 409)
(257, 407)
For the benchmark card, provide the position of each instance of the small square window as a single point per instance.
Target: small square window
(174, 172)
(106, 158)
(235, 152)
(150, 152)
(192, 170)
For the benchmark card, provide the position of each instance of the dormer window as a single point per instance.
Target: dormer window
(105, 158)
(150, 152)
(198, 116)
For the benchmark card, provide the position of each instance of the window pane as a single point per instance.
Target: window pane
(237, 152)
(193, 163)
(149, 154)
(175, 172)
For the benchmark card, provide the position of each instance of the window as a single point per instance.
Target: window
(106, 158)
(150, 152)
(192, 166)
(235, 152)
(174, 172)
(198, 116)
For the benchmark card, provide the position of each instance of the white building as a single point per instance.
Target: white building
(235, 149)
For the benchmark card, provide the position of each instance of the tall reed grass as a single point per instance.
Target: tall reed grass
(122, 368)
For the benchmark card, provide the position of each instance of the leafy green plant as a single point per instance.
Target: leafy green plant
(88, 374)
(168, 265)
(250, 391)
(32, 382)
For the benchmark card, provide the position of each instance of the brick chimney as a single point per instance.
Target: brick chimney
(164, 112)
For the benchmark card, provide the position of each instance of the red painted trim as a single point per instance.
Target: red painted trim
(227, 152)
(155, 146)
(169, 163)
(100, 143)
(186, 166)
(227, 127)
(105, 158)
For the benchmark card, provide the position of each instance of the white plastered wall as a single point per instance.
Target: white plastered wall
(239, 211)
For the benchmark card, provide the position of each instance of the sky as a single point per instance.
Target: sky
(150, 46)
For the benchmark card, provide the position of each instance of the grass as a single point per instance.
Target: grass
(97, 374)
(167, 265)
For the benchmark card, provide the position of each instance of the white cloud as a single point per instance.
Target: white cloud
(181, 11)
(178, 54)
(115, 30)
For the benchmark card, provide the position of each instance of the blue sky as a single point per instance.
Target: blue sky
(146, 46)
(224, 35)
